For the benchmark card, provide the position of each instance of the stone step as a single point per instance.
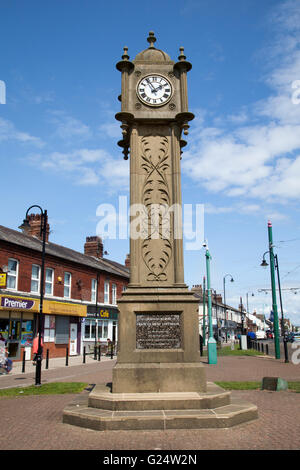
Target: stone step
(102, 398)
(80, 414)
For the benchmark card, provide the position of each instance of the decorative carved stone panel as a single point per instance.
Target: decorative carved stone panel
(155, 165)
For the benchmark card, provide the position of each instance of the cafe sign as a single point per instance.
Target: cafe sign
(105, 313)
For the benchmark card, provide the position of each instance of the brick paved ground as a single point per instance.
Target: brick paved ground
(35, 422)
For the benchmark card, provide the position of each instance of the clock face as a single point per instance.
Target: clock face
(154, 90)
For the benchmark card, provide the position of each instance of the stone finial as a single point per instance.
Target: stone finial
(151, 39)
(181, 55)
(125, 56)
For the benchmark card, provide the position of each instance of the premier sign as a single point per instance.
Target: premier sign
(11, 302)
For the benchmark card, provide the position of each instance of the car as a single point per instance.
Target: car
(290, 337)
(260, 334)
(296, 338)
(293, 337)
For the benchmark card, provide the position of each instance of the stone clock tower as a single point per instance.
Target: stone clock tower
(158, 322)
(158, 380)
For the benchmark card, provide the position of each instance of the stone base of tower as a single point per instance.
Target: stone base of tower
(159, 377)
(103, 410)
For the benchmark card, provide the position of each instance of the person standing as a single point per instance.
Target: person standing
(35, 348)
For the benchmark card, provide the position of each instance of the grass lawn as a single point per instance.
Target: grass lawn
(54, 388)
(293, 386)
(227, 351)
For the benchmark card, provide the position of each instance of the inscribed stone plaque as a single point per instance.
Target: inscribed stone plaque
(158, 331)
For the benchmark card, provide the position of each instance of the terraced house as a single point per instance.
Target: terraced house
(80, 293)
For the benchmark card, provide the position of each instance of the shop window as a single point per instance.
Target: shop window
(102, 329)
(35, 278)
(14, 330)
(106, 292)
(89, 329)
(27, 333)
(12, 275)
(49, 281)
(94, 290)
(114, 294)
(67, 285)
(4, 327)
(49, 329)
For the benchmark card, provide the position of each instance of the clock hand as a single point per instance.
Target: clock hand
(150, 84)
(161, 86)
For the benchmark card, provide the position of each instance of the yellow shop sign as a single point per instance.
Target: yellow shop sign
(51, 307)
(104, 314)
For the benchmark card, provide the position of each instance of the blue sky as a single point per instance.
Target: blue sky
(58, 135)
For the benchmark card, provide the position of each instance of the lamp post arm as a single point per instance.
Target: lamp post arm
(31, 207)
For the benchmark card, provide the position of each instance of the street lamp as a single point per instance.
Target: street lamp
(204, 301)
(211, 343)
(225, 319)
(274, 301)
(25, 226)
(243, 315)
(276, 265)
(252, 295)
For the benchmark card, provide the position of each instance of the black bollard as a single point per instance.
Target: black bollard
(67, 356)
(267, 349)
(23, 362)
(262, 348)
(201, 345)
(84, 354)
(286, 354)
(47, 359)
(99, 353)
(95, 352)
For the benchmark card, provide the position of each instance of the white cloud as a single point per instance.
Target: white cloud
(8, 132)
(111, 129)
(87, 167)
(68, 127)
(246, 209)
(262, 160)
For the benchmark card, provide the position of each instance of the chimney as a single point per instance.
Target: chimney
(35, 227)
(93, 247)
(127, 261)
(197, 288)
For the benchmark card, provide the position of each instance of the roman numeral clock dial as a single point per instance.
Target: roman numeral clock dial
(154, 90)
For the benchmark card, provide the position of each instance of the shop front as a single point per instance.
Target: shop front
(99, 327)
(17, 324)
(62, 327)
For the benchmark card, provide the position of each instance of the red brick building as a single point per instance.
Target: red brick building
(80, 295)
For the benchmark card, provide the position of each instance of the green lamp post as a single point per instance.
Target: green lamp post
(211, 343)
(204, 302)
(273, 286)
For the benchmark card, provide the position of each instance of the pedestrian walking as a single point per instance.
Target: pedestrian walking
(35, 348)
